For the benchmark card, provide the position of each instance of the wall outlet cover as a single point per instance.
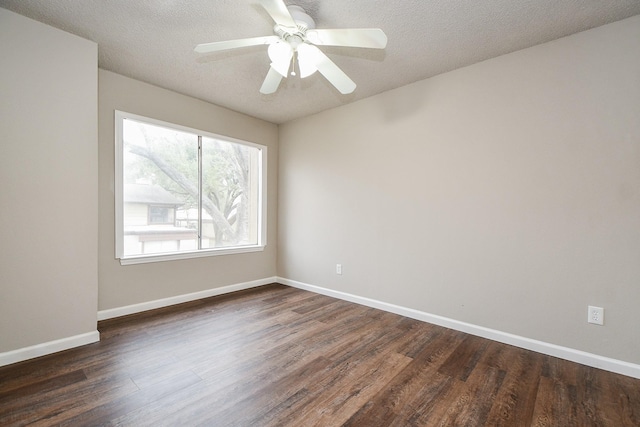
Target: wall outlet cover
(596, 315)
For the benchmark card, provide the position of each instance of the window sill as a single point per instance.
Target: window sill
(143, 259)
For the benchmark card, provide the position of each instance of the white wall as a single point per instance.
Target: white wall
(121, 286)
(48, 178)
(505, 194)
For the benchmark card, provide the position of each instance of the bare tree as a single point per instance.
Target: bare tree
(223, 222)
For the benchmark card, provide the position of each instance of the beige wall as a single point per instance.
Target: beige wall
(125, 285)
(48, 177)
(505, 194)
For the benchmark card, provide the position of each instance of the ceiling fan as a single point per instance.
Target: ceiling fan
(295, 41)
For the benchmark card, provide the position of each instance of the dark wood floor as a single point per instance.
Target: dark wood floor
(282, 356)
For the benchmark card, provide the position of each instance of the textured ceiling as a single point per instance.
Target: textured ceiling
(153, 41)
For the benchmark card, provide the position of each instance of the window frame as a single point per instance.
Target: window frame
(120, 116)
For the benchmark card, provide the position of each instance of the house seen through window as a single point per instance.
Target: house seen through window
(181, 191)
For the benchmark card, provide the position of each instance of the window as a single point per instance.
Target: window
(183, 193)
(161, 215)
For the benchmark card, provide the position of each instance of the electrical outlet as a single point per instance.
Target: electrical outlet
(596, 315)
(338, 268)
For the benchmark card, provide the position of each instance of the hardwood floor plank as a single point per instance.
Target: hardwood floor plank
(602, 400)
(252, 365)
(419, 384)
(545, 412)
(474, 398)
(312, 304)
(625, 394)
(342, 368)
(9, 397)
(280, 356)
(51, 407)
(342, 388)
(204, 399)
(429, 334)
(256, 406)
(330, 376)
(561, 370)
(462, 362)
(358, 389)
(46, 367)
(100, 414)
(515, 401)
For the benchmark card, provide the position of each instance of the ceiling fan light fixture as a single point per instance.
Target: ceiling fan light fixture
(306, 60)
(280, 54)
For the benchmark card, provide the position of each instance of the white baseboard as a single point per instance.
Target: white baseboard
(578, 356)
(21, 354)
(179, 299)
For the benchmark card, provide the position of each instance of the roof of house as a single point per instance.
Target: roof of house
(149, 194)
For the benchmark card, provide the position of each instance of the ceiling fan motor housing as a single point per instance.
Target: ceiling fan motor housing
(302, 19)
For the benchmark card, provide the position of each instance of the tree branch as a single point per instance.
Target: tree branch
(218, 218)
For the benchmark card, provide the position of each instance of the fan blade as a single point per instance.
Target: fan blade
(279, 12)
(271, 82)
(332, 72)
(373, 38)
(280, 54)
(234, 44)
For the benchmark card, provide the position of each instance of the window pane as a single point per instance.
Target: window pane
(230, 196)
(160, 194)
(176, 198)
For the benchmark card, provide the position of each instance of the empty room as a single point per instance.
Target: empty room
(320, 213)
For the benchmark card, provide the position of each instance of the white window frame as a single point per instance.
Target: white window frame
(120, 116)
